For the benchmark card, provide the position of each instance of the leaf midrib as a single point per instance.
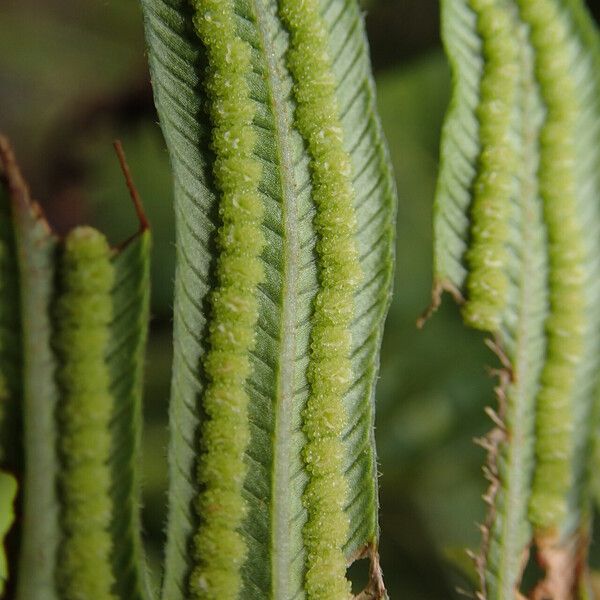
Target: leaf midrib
(284, 392)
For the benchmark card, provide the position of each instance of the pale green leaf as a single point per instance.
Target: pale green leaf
(60, 435)
(36, 253)
(528, 268)
(277, 387)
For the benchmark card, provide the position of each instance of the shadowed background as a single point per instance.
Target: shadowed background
(73, 77)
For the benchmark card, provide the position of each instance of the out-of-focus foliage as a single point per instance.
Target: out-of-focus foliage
(433, 385)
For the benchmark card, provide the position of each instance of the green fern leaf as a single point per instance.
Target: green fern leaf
(85, 313)
(516, 236)
(278, 385)
(36, 257)
(125, 361)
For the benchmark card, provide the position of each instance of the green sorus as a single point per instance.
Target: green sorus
(487, 282)
(83, 313)
(329, 370)
(219, 547)
(565, 325)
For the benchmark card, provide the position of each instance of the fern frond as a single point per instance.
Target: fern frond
(277, 384)
(516, 234)
(81, 379)
(36, 256)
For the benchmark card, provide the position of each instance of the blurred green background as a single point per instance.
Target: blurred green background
(73, 77)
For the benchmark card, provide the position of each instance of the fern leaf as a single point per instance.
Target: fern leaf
(516, 236)
(278, 385)
(36, 255)
(518, 319)
(125, 361)
(85, 312)
(101, 325)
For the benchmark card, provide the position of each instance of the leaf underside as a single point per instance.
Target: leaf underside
(125, 361)
(526, 256)
(277, 387)
(37, 256)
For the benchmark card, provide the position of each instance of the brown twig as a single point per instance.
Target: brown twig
(135, 196)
